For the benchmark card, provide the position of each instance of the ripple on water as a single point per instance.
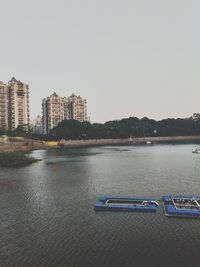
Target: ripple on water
(47, 216)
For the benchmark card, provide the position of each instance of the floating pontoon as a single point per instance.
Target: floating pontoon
(182, 206)
(126, 204)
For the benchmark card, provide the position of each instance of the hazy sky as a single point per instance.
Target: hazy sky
(126, 57)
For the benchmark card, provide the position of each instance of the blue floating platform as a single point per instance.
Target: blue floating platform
(108, 203)
(182, 206)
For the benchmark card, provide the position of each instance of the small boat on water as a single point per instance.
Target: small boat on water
(126, 204)
(196, 150)
(148, 142)
(182, 206)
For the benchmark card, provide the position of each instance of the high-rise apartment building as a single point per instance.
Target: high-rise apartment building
(14, 105)
(18, 104)
(54, 109)
(3, 106)
(77, 108)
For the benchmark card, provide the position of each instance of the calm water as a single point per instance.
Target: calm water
(47, 217)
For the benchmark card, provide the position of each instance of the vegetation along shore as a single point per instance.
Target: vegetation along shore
(15, 159)
(72, 133)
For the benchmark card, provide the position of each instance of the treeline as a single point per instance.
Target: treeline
(125, 128)
(71, 129)
(20, 131)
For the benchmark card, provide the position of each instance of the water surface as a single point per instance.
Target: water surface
(47, 216)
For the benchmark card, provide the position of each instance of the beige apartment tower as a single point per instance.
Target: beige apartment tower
(54, 110)
(14, 105)
(3, 106)
(77, 108)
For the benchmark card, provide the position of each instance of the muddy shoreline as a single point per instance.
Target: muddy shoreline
(35, 145)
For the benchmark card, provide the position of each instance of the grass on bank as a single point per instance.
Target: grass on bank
(15, 159)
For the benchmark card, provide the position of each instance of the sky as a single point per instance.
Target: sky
(126, 57)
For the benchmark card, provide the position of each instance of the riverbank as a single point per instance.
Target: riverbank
(129, 141)
(35, 145)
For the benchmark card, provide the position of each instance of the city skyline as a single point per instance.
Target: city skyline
(134, 58)
(15, 108)
(39, 112)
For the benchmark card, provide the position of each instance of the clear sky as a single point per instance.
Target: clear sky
(126, 57)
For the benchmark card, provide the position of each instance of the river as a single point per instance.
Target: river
(47, 216)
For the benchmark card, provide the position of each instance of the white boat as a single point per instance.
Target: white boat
(148, 142)
(196, 150)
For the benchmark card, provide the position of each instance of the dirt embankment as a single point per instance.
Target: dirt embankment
(34, 145)
(129, 141)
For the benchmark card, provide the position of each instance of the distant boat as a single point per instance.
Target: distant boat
(196, 150)
(148, 142)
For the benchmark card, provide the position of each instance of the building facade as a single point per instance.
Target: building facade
(3, 106)
(77, 108)
(14, 105)
(54, 110)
